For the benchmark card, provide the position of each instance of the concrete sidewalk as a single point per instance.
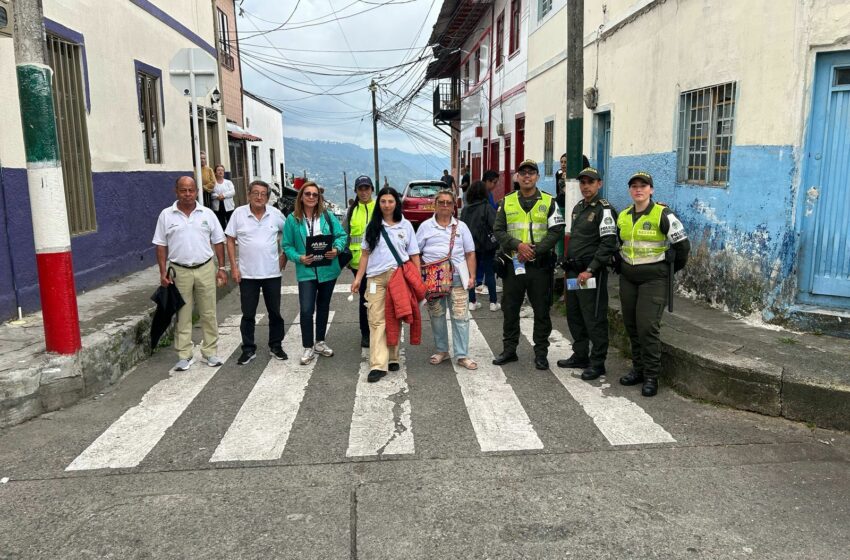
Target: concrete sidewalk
(115, 324)
(711, 355)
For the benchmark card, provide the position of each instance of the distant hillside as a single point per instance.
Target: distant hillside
(325, 162)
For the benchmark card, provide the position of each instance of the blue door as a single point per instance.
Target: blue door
(825, 246)
(603, 145)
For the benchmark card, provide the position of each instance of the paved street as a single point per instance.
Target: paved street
(279, 460)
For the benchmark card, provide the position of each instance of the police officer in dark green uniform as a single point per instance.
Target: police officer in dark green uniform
(652, 239)
(593, 241)
(528, 226)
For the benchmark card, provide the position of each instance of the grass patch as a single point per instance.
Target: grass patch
(788, 340)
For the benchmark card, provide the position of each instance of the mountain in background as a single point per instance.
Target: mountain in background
(324, 162)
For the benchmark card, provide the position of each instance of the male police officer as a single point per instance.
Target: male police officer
(354, 224)
(528, 225)
(593, 241)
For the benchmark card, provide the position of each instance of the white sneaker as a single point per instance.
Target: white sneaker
(307, 356)
(495, 306)
(323, 349)
(214, 361)
(481, 289)
(474, 306)
(184, 364)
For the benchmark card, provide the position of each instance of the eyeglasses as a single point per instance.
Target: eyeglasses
(259, 193)
(444, 203)
(310, 195)
(526, 172)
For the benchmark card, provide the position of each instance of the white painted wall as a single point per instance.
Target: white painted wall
(267, 123)
(115, 34)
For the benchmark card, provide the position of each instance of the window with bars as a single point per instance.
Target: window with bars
(148, 91)
(467, 78)
(513, 45)
(500, 39)
(255, 162)
(478, 65)
(543, 8)
(69, 105)
(706, 124)
(272, 159)
(548, 147)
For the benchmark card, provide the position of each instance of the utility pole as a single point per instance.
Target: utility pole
(345, 187)
(575, 86)
(373, 87)
(46, 183)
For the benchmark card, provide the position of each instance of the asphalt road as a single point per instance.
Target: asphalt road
(275, 460)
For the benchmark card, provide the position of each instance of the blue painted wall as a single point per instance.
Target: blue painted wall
(127, 205)
(744, 247)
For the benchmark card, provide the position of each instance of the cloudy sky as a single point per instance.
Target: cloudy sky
(315, 59)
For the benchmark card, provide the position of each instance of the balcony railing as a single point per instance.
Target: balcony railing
(447, 101)
(226, 59)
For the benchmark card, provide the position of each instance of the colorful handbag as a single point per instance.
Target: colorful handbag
(437, 276)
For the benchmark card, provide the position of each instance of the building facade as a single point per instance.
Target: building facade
(265, 156)
(124, 134)
(746, 134)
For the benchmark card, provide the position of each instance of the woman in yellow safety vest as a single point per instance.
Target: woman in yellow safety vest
(652, 240)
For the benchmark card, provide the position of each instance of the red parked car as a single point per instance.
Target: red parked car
(417, 200)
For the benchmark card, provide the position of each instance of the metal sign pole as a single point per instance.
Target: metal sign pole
(196, 147)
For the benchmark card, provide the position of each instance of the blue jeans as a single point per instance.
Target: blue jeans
(460, 320)
(314, 297)
(485, 270)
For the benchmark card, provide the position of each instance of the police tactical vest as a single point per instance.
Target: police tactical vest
(643, 242)
(528, 227)
(360, 216)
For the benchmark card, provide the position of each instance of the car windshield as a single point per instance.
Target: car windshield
(424, 191)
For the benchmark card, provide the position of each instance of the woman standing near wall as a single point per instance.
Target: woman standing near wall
(315, 283)
(377, 265)
(222, 197)
(654, 246)
(479, 218)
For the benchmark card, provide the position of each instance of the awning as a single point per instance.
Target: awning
(236, 131)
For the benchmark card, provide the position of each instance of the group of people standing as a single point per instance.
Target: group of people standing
(516, 239)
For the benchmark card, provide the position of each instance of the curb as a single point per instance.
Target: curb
(709, 370)
(56, 381)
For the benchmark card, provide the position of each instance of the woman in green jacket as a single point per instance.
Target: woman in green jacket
(316, 274)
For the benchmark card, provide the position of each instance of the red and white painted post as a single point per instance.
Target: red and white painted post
(46, 184)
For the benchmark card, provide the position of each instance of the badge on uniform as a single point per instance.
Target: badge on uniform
(607, 226)
(676, 232)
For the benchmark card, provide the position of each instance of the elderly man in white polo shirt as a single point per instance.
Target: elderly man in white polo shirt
(257, 227)
(186, 235)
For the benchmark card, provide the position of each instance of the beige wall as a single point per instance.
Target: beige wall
(115, 34)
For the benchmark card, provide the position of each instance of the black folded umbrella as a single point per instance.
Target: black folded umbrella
(168, 301)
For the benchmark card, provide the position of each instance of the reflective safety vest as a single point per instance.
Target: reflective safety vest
(360, 216)
(643, 242)
(528, 227)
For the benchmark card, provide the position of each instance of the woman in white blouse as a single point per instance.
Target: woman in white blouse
(434, 239)
(222, 197)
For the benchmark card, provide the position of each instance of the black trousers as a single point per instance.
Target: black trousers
(249, 296)
(643, 296)
(588, 329)
(364, 320)
(537, 283)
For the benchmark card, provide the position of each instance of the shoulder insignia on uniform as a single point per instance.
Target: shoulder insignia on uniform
(661, 204)
(604, 202)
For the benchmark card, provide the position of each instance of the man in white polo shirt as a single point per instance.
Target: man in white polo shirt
(257, 227)
(186, 235)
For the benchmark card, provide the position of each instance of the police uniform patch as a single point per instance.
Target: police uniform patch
(607, 226)
(542, 209)
(676, 232)
(647, 225)
(591, 216)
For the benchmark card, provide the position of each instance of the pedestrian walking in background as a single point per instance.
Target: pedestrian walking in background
(187, 234)
(315, 281)
(528, 225)
(207, 179)
(378, 261)
(222, 197)
(464, 179)
(354, 223)
(491, 181)
(257, 227)
(439, 237)
(449, 181)
(480, 217)
(654, 245)
(593, 242)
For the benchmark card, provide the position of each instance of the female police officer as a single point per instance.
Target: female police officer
(653, 240)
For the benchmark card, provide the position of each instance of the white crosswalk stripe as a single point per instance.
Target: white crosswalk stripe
(129, 440)
(621, 421)
(262, 426)
(339, 288)
(380, 423)
(498, 418)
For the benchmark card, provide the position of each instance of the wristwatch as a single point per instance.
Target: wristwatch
(222, 268)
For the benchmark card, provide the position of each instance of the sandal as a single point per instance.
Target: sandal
(468, 363)
(438, 358)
